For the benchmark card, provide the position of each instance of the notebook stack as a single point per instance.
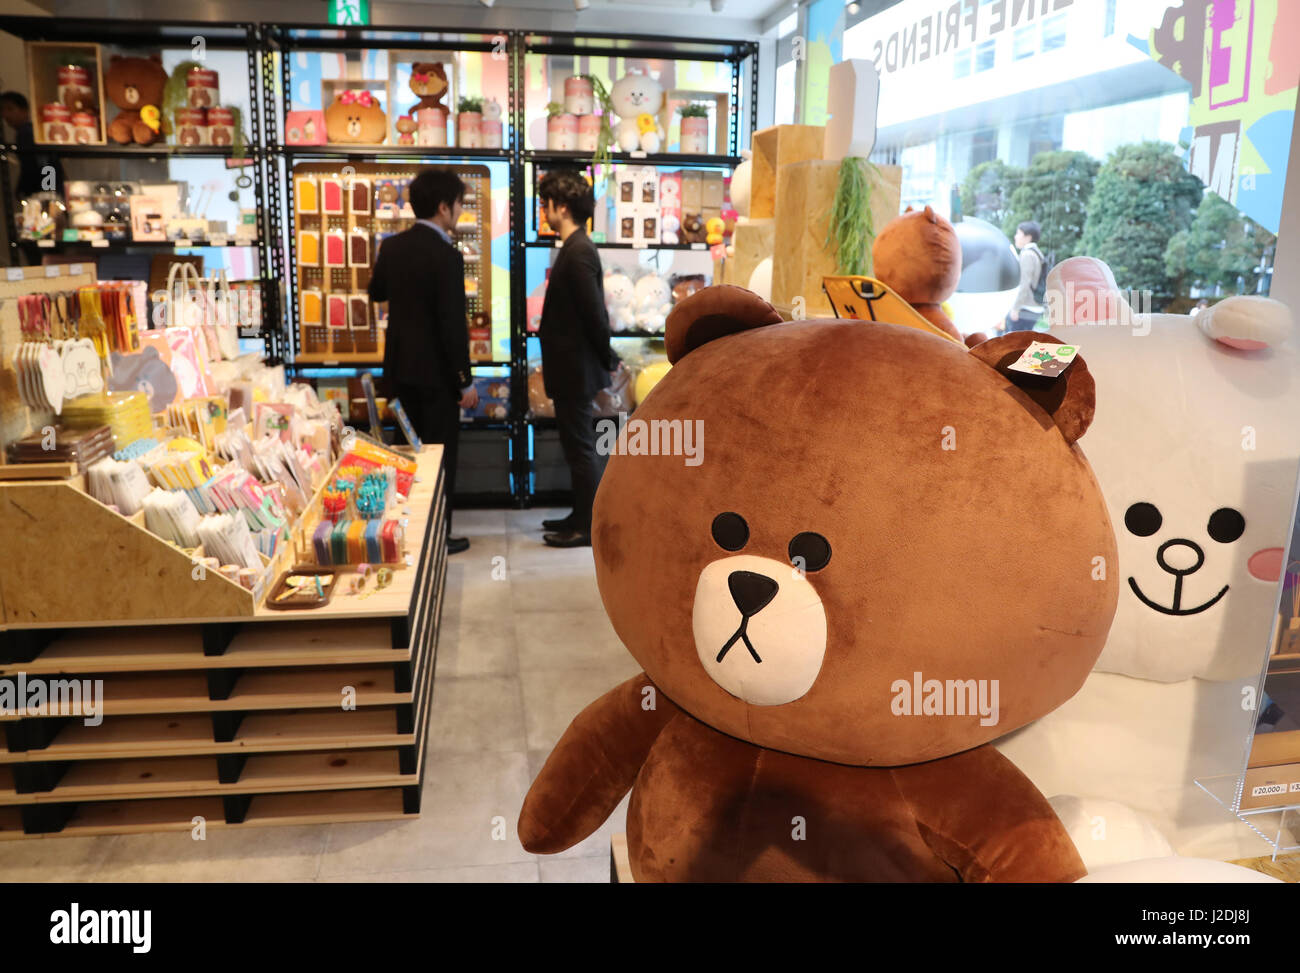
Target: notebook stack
(81, 446)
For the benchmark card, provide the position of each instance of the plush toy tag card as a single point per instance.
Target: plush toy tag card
(1047, 360)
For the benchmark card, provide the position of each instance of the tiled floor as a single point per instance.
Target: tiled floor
(525, 645)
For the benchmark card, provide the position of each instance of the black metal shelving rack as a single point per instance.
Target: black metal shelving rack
(743, 58)
(269, 46)
(150, 36)
(278, 43)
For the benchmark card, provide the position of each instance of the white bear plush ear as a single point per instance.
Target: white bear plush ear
(1082, 290)
(1246, 322)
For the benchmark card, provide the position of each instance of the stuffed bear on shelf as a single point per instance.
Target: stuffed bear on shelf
(135, 85)
(637, 99)
(356, 117)
(829, 643)
(429, 83)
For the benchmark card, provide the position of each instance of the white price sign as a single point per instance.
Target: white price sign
(14, 273)
(52, 270)
(101, 242)
(74, 269)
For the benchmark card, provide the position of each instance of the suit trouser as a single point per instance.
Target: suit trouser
(576, 424)
(435, 415)
(1024, 321)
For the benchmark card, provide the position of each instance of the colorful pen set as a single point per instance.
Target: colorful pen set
(358, 541)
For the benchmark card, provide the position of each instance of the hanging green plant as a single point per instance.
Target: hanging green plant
(850, 232)
(603, 159)
(470, 103)
(554, 108)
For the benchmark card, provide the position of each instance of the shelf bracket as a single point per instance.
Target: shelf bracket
(217, 637)
(230, 767)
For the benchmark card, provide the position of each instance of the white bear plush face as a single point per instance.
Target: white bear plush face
(636, 94)
(619, 290)
(1196, 446)
(653, 292)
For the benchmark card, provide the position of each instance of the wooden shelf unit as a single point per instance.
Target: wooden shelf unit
(229, 719)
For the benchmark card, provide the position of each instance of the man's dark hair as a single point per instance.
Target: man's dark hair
(431, 188)
(15, 99)
(1031, 229)
(567, 187)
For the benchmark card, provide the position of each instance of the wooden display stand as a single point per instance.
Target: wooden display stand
(754, 242)
(805, 193)
(319, 717)
(44, 58)
(774, 148)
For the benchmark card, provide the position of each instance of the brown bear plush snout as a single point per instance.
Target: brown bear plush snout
(750, 591)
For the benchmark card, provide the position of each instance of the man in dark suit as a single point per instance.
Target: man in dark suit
(576, 356)
(421, 274)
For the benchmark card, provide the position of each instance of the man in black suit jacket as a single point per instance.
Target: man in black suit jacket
(421, 274)
(576, 356)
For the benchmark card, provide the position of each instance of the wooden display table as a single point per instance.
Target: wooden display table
(236, 714)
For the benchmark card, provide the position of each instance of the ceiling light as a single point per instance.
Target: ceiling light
(487, 3)
(581, 4)
(854, 7)
(717, 5)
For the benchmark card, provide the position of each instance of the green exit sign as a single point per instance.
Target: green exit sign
(349, 11)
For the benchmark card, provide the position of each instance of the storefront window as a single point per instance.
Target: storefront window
(1158, 102)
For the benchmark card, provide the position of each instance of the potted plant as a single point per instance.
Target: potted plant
(561, 129)
(695, 128)
(469, 122)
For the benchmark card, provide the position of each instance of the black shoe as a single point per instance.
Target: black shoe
(455, 545)
(562, 524)
(568, 538)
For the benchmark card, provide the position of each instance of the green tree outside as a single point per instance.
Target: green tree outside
(987, 189)
(1142, 197)
(1222, 249)
(1054, 192)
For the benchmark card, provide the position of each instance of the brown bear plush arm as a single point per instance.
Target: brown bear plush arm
(593, 766)
(983, 817)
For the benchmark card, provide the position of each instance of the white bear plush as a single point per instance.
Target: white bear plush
(1196, 447)
(670, 229)
(633, 96)
(654, 299)
(740, 186)
(619, 296)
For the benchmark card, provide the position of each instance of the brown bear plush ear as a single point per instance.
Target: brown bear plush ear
(714, 312)
(1070, 399)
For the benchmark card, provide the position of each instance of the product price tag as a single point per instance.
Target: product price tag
(1046, 359)
(558, 243)
(13, 273)
(52, 270)
(101, 242)
(637, 154)
(45, 243)
(698, 246)
(74, 269)
(638, 245)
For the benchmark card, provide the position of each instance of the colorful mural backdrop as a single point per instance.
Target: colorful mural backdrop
(1242, 60)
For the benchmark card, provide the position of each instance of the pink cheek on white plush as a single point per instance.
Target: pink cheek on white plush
(1244, 344)
(1266, 565)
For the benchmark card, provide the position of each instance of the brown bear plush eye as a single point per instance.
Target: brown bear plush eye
(811, 551)
(730, 531)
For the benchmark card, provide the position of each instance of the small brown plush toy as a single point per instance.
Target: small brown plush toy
(429, 82)
(918, 256)
(135, 85)
(829, 642)
(356, 117)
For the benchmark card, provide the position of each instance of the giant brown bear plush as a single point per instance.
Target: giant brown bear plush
(831, 630)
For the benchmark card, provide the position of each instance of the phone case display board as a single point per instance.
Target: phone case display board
(339, 223)
(238, 721)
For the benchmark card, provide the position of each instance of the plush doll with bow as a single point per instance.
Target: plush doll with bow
(357, 118)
